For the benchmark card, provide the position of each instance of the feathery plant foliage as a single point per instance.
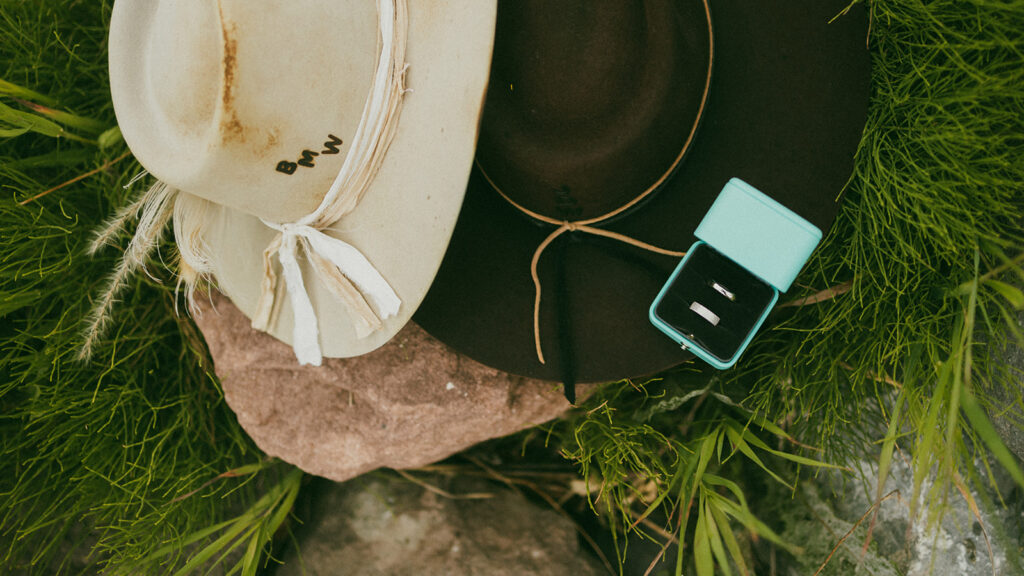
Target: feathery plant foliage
(913, 290)
(938, 178)
(928, 232)
(131, 461)
(643, 458)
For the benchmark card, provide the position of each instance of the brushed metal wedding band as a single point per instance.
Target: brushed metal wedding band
(723, 291)
(706, 314)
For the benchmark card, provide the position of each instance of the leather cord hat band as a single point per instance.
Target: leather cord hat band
(591, 225)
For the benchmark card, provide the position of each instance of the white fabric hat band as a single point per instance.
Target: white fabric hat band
(342, 268)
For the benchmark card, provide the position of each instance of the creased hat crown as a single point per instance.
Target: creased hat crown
(248, 106)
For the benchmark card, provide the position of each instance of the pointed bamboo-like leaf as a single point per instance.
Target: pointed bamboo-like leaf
(228, 541)
(736, 438)
(753, 440)
(685, 467)
(689, 490)
(729, 485)
(745, 517)
(66, 118)
(1012, 294)
(31, 122)
(12, 132)
(725, 528)
(889, 445)
(715, 539)
(251, 560)
(15, 91)
(927, 443)
(702, 558)
(987, 432)
(111, 137)
(56, 158)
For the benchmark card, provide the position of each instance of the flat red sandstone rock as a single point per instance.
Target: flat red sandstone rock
(407, 404)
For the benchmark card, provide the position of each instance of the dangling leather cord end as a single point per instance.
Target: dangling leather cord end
(566, 357)
(569, 388)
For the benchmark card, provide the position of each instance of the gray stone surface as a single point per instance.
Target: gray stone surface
(409, 403)
(382, 526)
(953, 545)
(1006, 392)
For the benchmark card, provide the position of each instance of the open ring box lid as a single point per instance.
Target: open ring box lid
(750, 249)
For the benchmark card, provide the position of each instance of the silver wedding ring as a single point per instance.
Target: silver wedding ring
(723, 291)
(704, 313)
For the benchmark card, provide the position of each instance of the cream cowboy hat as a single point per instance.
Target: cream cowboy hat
(325, 143)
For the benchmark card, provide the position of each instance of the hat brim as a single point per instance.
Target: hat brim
(785, 112)
(404, 221)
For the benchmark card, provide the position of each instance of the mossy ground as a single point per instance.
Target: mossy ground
(137, 452)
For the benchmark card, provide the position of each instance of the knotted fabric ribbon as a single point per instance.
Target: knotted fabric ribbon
(341, 267)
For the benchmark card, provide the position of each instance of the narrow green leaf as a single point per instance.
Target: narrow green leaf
(715, 539)
(804, 460)
(753, 440)
(111, 137)
(11, 89)
(729, 485)
(12, 132)
(960, 346)
(683, 466)
(56, 158)
(248, 469)
(1012, 294)
(983, 426)
(702, 544)
(725, 528)
(31, 122)
(191, 539)
(226, 551)
(706, 451)
(66, 118)
(764, 423)
(927, 443)
(745, 517)
(739, 443)
(684, 499)
(227, 542)
(889, 445)
(251, 559)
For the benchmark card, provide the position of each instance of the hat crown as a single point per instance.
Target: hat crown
(182, 59)
(591, 102)
(233, 100)
(576, 54)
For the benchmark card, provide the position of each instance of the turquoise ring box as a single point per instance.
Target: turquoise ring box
(749, 249)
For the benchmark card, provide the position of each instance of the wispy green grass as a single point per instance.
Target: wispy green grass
(939, 176)
(107, 463)
(136, 461)
(665, 448)
(930, 225)
(929, 241)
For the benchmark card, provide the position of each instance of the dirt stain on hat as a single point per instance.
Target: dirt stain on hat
(231, 128)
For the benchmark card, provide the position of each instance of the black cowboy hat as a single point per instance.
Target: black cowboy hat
(609, 129)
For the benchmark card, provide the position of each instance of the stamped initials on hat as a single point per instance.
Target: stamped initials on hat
(330, 147)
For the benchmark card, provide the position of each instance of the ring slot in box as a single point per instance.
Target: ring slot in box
(750, 249)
